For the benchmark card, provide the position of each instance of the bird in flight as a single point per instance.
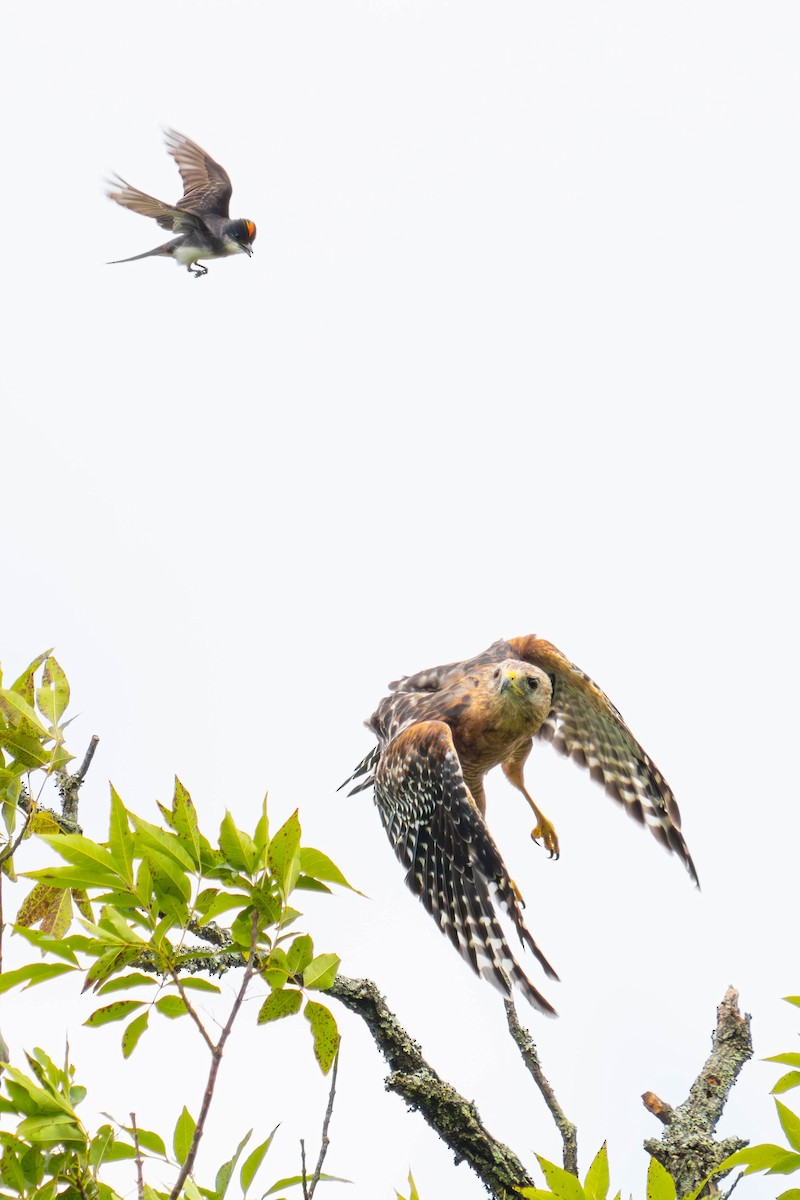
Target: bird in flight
(441, 730)
(199, 219)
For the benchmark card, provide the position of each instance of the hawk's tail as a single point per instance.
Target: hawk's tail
(366, 767)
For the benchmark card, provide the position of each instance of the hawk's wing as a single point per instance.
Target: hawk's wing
(451, 860)
(168, 216)
(584, 725)
(206, 186)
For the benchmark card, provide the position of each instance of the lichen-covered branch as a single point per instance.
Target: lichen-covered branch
(687, 1147)
(449, 1114)
(530, 1056)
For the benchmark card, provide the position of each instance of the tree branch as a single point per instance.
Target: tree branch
(687, 1147)
(325, 1140)
(453, 1118)
(530, 1056)
(70, 785)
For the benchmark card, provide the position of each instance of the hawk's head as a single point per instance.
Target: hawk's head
(518, 692)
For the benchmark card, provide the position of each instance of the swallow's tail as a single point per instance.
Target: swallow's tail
(164, 251)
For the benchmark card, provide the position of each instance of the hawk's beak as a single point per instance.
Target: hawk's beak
(510, 681)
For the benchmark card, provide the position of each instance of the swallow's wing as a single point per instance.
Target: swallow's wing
(167, 215)
(206, 186)
(451, 859)
(584, 725)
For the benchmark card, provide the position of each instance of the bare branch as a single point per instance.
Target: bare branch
(139, 1166)
(687, 1148)
(325, 1140)
(530, 1056)
(216, 1059)
(69, 786)
(449, 1114)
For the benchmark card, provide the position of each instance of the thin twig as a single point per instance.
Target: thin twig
(530, 1056)
(216, 1059)
(325, 1141)
(176, 979)
(725, 1195)
(303, 1166)
(8, 853)
(139, 1168)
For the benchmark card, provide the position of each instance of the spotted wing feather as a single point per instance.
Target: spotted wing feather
(451, 860)
(585, 726)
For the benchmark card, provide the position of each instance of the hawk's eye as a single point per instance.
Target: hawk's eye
(533, 683)
(496, 673)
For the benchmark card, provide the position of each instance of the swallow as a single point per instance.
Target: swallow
(200, 218)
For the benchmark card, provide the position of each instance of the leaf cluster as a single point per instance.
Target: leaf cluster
(31, 736)
(767, 1157)
(160, 904)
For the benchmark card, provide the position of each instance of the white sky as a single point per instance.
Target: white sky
(515, 353)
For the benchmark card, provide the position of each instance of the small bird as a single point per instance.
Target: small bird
(200, 218)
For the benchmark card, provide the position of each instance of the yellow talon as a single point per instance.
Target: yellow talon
(546, 831)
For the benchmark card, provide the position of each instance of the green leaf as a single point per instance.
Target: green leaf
(32, 974)
(325, 1033)
(294, 1180)
(253, 1162)
(560, 1182)
(122, 982)
(790, 1124)
(53, 696)
(182, 1137)
(261, 835)
(237, 846)
(200, 985)
(321, 973)
(83, 852)
(284, 853)
(148, 1140)
(185, 820)
(117, 1011)
(223, 1177)
(786, 1060)
(283, 1003)
(164, 843)
(133, 1032)
(15, 707)
(318, 866)
(102, 1141)
(660, 1184)
(120, 838)
(49, 907)
(597, 1177)
(300, 954)
(755, 1158)
(786, 1165)
(786, 1082)
(172, 1007)
(793, 1000)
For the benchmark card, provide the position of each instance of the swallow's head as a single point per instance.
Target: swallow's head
(239, 236)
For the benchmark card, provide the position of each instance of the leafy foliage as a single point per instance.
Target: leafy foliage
(31, 739)
(773, 1159)
(154, 912)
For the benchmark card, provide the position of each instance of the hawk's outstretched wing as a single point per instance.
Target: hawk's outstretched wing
(451, 859)
(206, 186)
(584, 725)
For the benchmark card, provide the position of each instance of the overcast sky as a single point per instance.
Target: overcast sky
(516, 353)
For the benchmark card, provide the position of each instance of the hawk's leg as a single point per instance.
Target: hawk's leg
(513, 770)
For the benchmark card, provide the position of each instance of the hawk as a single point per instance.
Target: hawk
(441, 730)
